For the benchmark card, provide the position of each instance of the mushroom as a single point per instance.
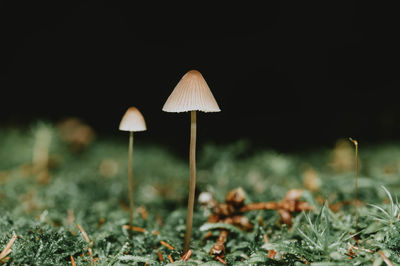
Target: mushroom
(191, 94)
(132, 121)
(355, 142)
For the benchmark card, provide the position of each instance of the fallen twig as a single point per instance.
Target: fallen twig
(160, 255)
(165, 244)
(7, 249)
(135, 228)
(221, 260)
(359, 248)
(85, 236)
(187, 255)
(385, 259)
(72, 261)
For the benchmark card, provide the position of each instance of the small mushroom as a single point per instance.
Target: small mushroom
(132, 121)
(191, 94)
(355, 142)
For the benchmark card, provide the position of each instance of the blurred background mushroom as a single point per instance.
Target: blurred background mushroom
(77, 134)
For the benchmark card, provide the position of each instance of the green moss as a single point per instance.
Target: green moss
(93, 186)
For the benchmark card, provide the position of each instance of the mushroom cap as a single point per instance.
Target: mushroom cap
(132, 120)
(191, 94)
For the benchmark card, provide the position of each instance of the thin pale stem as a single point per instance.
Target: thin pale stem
(192, 185)
(356, 183)
(130, 176)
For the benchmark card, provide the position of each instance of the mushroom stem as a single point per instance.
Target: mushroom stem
(130, 176)
(356, 183)
(192, 186)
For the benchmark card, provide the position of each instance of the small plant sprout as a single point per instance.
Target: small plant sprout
(355, 142)
(132, 121)
(191, 94)
(392, 215)
(319, 236)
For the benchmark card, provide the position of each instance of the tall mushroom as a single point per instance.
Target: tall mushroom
(191, 94)
(132, 121)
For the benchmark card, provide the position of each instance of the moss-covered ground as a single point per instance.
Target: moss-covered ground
(50, 183)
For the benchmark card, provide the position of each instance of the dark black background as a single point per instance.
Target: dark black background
(287, 75)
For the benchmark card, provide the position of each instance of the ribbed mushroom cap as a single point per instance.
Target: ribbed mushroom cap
(132, 120)
(191, 94)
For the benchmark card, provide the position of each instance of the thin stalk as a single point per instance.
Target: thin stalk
(356, 192)
(130, 176)
(192, 185)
